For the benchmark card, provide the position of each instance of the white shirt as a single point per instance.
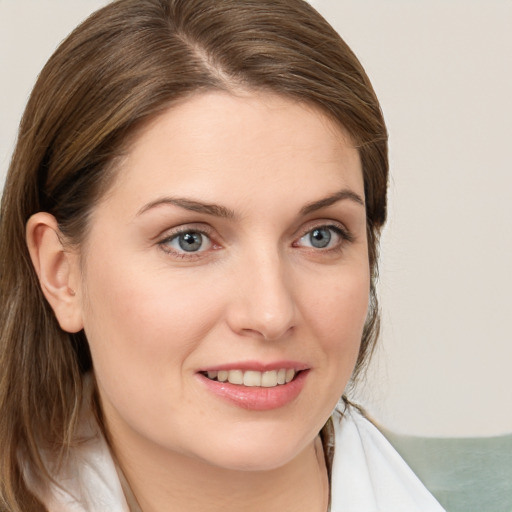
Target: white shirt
(368, 475)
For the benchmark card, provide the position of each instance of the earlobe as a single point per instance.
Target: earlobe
(57, 269)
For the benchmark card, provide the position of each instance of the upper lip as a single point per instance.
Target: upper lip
(256, 366)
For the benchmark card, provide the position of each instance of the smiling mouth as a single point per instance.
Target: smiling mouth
(253, 378)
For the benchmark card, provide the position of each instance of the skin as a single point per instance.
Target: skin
(256, 290)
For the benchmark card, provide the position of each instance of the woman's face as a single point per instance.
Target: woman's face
(231, 246)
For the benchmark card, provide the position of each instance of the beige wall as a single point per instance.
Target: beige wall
(443, 71)
(30, 30)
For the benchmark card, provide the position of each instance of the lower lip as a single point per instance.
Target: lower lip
(257, 398)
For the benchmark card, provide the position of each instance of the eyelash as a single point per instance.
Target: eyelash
(183, 231)
(344, 235)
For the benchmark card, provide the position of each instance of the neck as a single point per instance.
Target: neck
(173, 482)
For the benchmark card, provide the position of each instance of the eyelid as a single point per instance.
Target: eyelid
(171, 234)
(337, 226)
(204, 229)
(344, 237)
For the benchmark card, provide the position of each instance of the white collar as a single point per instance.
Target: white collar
(368, 475)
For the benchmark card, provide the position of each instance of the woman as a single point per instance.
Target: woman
(188, 246)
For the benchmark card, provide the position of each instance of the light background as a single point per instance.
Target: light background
(443, 72)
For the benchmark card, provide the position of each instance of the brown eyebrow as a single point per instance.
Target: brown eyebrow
(330, 200)
(225, 213)
(191, 205)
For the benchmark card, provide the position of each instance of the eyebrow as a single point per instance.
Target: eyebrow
(344, 194)
(225, 213)
(191, 205)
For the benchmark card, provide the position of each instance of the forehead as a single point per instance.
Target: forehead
(218, 142)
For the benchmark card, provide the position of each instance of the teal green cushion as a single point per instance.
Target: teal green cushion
(464, 474)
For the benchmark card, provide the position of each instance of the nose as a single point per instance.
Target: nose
(263, 304)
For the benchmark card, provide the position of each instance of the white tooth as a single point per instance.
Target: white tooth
(269, 379)
(281, 376)
(212, 375)
(236, 376)
(252, 378)
(222, 376)
(289, 375)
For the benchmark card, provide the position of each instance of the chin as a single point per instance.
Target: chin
(260, 460)
(256, 450)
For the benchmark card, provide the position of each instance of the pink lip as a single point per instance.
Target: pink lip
(256, 398)
(257, 366)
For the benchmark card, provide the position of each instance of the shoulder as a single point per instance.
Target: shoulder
(368, 475)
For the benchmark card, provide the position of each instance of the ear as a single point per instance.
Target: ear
(58, 270)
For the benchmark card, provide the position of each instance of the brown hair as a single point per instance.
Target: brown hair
(125, 64)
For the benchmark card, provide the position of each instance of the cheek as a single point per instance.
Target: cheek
(338, 305)
(142, 329)
(140, 322)
(337, 313)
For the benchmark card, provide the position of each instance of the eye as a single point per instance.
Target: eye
(187, 242)
(323, 237)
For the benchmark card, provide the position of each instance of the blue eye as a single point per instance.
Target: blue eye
(323, 237)
(320, 238)
(188, 241)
